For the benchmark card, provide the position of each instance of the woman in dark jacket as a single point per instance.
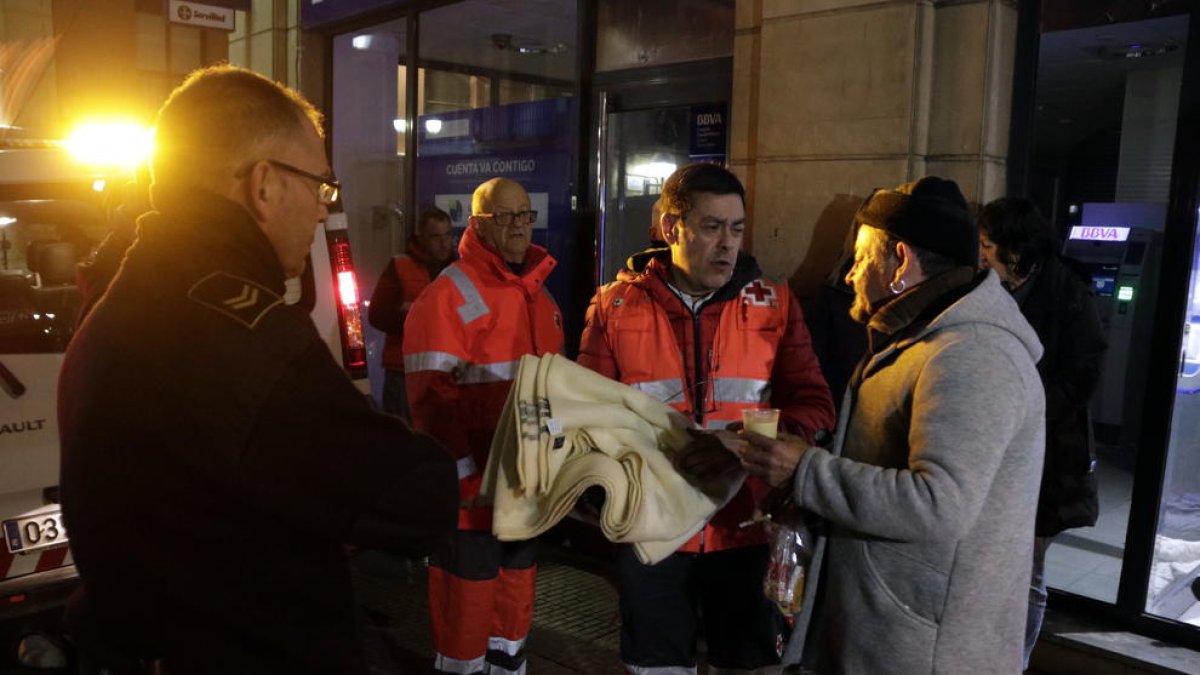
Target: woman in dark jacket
(838, 341)
(1056, 300)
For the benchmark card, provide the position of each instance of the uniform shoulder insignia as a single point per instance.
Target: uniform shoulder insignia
(242, 300)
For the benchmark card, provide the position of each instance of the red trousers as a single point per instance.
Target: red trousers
(481, 594)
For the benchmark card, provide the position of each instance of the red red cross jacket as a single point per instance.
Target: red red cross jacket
(398, 286)
(463, 340)
(745, 347)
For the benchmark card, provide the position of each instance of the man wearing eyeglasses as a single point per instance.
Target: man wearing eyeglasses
(463, 340)
(215, 458)
(697, 327)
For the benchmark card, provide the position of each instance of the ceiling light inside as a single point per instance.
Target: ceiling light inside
(506, 42)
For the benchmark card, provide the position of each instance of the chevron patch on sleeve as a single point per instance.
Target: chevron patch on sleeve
(242, 300)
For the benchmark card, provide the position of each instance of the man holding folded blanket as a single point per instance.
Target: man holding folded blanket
(463, 341)
(698, 328)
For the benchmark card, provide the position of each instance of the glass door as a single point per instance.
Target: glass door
(368, 129)
(496, 97)
(1113, 164)
(642, 149)
(662, 88)
(1174, 588)
(1107, 99)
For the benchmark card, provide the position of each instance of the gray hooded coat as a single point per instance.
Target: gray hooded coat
(930, 495)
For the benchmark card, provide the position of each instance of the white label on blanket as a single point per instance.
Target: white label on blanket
(554, 427)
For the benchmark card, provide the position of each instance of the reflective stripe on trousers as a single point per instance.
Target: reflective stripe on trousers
(660, 670)
(445, 664)
(506, 651)
(510, 647)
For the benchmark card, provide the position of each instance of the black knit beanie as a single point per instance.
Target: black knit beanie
(930, 213)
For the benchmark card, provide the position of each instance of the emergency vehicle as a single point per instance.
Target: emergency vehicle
(54, 208)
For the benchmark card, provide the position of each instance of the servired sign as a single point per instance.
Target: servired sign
(202, 15)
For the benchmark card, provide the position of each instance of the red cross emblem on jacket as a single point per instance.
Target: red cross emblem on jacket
(759, 294)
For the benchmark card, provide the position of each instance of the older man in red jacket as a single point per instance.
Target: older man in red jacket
(463, 340)
(699, 329)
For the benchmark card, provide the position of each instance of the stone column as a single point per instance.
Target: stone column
(266, 38)
(832, 98)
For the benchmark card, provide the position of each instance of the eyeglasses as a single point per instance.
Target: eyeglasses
(328, 187)
(506, 219)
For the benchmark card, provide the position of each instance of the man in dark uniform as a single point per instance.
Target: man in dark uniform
(215, 457)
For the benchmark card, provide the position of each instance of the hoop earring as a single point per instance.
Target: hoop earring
(897, 286)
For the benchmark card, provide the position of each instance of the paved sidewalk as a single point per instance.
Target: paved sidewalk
(576, 624)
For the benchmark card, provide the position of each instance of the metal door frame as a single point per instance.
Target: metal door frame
(669, 86)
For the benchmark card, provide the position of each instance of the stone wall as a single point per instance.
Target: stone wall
(835, 97)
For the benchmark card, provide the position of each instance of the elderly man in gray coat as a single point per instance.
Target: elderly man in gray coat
(930, 491)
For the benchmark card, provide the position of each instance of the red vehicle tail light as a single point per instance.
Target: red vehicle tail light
(349, 309)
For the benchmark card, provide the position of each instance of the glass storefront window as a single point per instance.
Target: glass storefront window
(644, 147)
(1175, 566)
(494, 96)
(368, 125)
(497, 98)
(1107, 100)
(368, 128)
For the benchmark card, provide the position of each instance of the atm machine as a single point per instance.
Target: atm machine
(1120, 245)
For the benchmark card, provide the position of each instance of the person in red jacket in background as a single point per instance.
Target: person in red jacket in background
(700, 329)
(429, 250)
(463, 340)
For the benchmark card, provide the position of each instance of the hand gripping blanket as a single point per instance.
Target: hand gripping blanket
(566, 428)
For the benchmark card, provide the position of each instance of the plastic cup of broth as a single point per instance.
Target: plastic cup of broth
(763, 421)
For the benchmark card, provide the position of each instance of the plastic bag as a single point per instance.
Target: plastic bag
(787, 569)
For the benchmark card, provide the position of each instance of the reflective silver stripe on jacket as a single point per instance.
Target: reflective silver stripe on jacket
(466, 467)
(667, 391)
(473, 305)
(478, 373)
(439, 361)
(464, 373)
(445, 664)
(741, 390)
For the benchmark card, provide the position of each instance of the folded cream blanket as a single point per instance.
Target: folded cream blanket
(564, 429)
